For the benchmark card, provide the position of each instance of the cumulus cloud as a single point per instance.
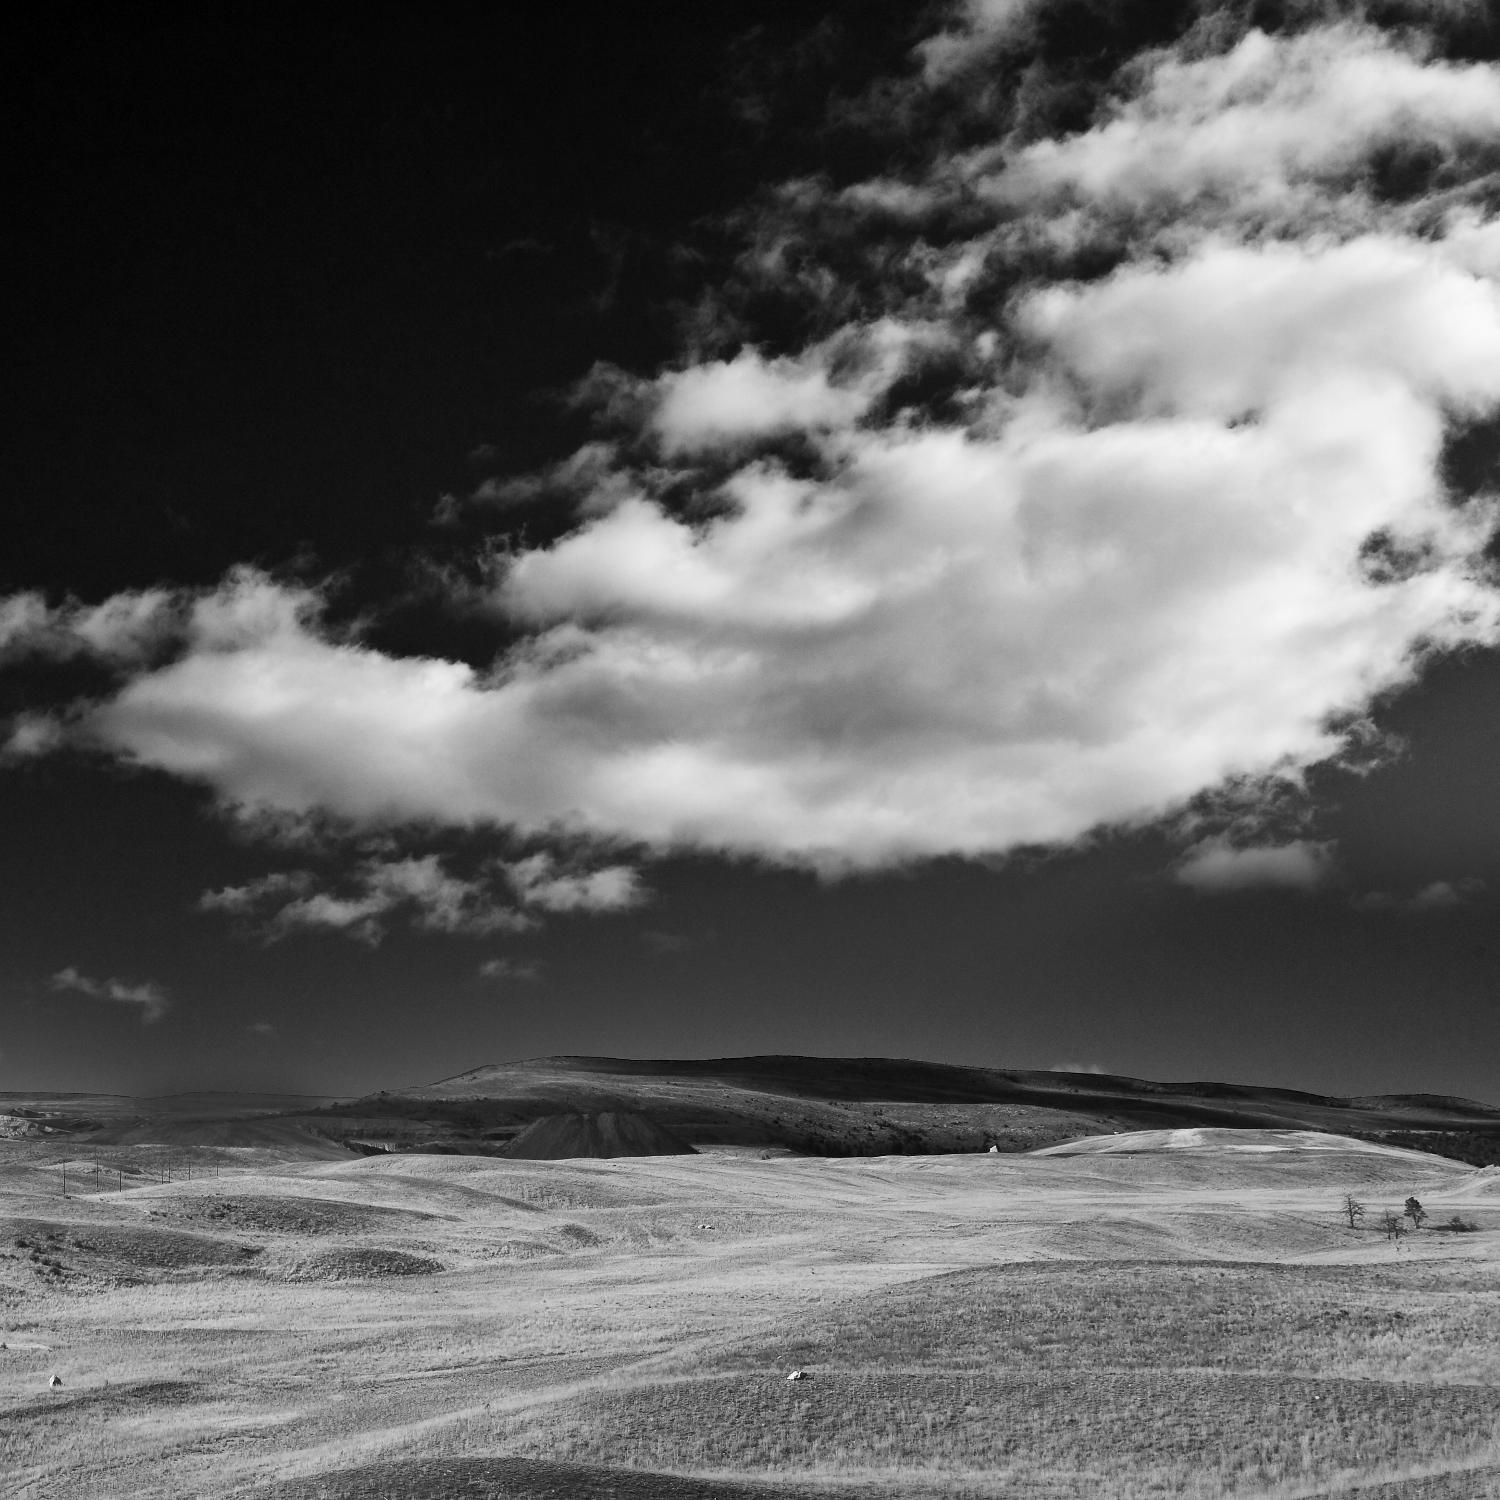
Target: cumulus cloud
(364, 904)
(1215, 866)
(126, 628)
(539, 882)
(1096, 438)
(150, 997)
(829, 386)
(1263, 127)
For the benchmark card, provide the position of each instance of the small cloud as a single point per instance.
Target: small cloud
(1441, 895)
(263, 1029)
(1071, 1067)
(507, 970)
(32, 735)
(128, 628)
(240, 900)
(983, 26)
(1215, 866)
(151, 998)
(538, 882)
(378, 892)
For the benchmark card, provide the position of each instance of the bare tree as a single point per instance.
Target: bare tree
(1415, 1212)
(1393, 1225)
(1353, 1210)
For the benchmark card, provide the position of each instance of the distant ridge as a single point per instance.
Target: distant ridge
(868, 1106)
(901, 1078)
(820, 1106)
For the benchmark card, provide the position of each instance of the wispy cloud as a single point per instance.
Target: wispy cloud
(365, 902)
(367, 899)
(1440, 895)
(127, 628)
(1060, 519)
(540, 882)
(510, 970)
(150, 997)
(1216, 866)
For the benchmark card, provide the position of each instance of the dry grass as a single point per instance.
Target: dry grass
(973, 1327)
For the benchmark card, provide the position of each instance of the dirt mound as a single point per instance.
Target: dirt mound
(114, 1250)
(556, 1137)
(365, 1264)
(277, 1214)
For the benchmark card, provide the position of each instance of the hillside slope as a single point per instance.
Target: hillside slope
(808, 1105)
(877, 1106)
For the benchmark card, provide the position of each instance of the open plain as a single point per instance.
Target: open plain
(1167, 1313)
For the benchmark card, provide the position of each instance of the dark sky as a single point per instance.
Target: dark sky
(1020, 599)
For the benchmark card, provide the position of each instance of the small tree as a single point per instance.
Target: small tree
(1354, 1210)
(1393, 1226)
(1415, 1212)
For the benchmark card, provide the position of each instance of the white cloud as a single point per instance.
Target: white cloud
(957, 642)
(23, 618)
(150, 997)
(748, 396)
(980, 26)
(1234, 330)
(126, 628)
(1119, 560)
(538, 882)
(1253, 125)
(374, 894)
(32, 734)
(1216, 866)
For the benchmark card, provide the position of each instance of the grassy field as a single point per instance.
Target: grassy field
(1124, 1323)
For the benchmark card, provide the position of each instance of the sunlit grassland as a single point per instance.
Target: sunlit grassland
(1004, 1328)
(1130, 1378)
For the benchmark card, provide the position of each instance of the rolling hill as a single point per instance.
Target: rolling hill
(806, 1105)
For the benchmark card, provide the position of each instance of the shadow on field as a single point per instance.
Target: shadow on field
(532, 1479)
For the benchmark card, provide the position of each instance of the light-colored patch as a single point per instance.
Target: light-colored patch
(1235, 1142)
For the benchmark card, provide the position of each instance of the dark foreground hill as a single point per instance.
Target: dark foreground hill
(813, 1105)
(613, 1133)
